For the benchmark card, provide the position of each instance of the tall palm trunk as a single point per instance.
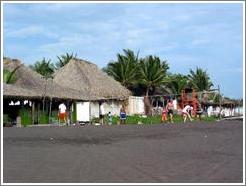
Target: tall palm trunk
(147, 106)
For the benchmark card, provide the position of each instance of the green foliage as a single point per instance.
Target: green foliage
(177, 82)
(200, 80)
(43, 118)
(9, 77)
(74, 114)
(124, 69)
(152, 72)
(64, 59)
(95, 120)
(210, 119)
(44, 67)
(6, 118)
(26, 118)
(7, 121)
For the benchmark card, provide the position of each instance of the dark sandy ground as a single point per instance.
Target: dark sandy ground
(193, 152)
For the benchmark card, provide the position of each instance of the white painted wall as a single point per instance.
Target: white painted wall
(82, 109)
(135, 105)
(113, 107)
(94, 109)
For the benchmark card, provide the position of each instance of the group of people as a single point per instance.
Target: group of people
(167, 111)
(186, 112)
(102, 115)
(62, 114)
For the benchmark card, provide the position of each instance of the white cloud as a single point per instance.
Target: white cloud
(32, 30)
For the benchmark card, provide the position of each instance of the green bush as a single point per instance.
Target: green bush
(7, 120)
(26, 118)
(74, 114)
(95, 120)
(44, 118)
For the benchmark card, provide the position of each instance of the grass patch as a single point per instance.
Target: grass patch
(135, 119)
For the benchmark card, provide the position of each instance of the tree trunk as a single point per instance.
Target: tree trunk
(147, 103)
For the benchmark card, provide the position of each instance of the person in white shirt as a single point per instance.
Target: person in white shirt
(101, 113)
(62, 116)
(186, 112)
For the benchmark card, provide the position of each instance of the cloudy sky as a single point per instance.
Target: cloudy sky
(192, 35)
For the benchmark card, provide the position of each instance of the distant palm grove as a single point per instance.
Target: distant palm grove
(149, 75)
(142, 76)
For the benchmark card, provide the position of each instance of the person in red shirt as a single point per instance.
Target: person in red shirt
(164, 115)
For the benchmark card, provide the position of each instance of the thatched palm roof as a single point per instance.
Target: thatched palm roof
(36, 85)
(13, 91)
(26, 77)
(83, 75)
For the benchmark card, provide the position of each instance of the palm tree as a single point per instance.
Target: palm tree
(177, 82)
(64, 59)
(9, 77)
(124, 69)
(43, 67)
(200, 80)
(152, 72)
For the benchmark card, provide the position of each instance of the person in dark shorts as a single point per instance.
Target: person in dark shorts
(122, 115)
(199, 112)
(169, 108)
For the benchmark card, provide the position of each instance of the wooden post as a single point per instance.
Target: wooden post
(220, 97)
(50, 110)
(38, 109)
(90, 121)
(33, 113)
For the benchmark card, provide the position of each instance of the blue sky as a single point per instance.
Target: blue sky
(191, 35)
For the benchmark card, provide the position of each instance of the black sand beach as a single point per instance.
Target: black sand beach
(193, 152)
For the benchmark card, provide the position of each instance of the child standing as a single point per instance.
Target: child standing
(109, 118)
(164, 115)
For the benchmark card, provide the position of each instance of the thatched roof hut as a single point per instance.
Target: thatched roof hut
(13, 91)
(83, 75)
(29, 81)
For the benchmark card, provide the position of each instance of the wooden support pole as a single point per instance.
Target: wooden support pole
(38, 111)
(33, 113)
(220, 101)
(50, 110)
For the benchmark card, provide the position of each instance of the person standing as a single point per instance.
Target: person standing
(101, 113)
(164, 115)
(110, 118)
(186, 112)
(169, 108)
(199, 112)
(122, 115)
(62, 116)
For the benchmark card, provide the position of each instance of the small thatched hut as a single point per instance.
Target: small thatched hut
(85, 76)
